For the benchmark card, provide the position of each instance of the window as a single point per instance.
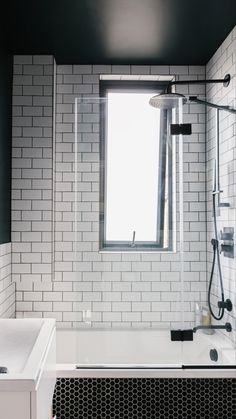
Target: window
(136, 169)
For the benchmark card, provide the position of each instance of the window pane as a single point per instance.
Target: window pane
(131, 167)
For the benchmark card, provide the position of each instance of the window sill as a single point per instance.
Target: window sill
(149, 251)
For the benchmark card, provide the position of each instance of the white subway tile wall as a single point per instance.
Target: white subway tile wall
(7, 287)
(32, 183)
(223, 62)
(120, 290)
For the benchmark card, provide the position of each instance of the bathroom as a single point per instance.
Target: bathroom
(117, 217)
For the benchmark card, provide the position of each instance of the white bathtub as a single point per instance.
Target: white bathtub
(141, 353)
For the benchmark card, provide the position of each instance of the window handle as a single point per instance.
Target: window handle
(133, 239)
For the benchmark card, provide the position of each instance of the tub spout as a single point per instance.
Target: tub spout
(226, 326)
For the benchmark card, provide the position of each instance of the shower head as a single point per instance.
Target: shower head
(167, 100)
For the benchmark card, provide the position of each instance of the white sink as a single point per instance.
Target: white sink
(17, 339)
(28, 351)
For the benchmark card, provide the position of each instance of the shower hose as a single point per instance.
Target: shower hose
(216, 256)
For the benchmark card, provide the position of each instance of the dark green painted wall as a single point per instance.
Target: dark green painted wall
(5, 146)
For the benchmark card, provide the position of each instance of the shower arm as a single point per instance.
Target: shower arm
(225, 81)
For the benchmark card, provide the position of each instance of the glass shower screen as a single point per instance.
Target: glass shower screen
(143, 230)
(128, 251)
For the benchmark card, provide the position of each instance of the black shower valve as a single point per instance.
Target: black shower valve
(227, 304)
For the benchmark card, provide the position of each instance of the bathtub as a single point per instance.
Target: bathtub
(141, 374)
(142, 353)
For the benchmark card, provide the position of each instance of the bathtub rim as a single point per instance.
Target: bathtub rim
(229, 370)
(70, 371)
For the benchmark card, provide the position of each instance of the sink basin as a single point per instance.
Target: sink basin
(28, 351)
(23, 343)
(17, 340)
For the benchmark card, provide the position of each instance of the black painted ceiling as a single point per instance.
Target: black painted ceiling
(118, 31)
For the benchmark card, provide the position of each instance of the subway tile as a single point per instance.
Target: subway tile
(141, 286)
(101, 69)
(102, 306)
(121, 286)
(131, 317)
(121, 266)
(72, 79)
(23, 59)
(151, 296)
(111, 296)
(141, 266)
(82, 69)
(101, 266)
(111, 316)
(32, 296)
(152, 316)
(25, 80)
